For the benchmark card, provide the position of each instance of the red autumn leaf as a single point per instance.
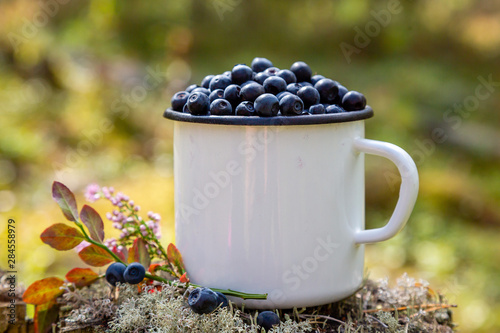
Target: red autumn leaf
(43, 291)
(175, 258)
(66, 201)
(81, 277)
(93, 255)
(139, 253)
(61, 237)
(94, 223)
(122, 254)
(45, 315)
(184, 278)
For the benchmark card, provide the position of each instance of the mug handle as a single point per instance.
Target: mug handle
(407, 192)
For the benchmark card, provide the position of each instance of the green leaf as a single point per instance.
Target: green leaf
(139, 253)
(81, 277)
(94, 223)
(43, 291)
(45, 315)
(66, 200)
(94, 255)
(62, 237)
(175, 258)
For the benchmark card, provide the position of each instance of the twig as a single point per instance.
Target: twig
(425, 306)
(321, 316)
(378, 320)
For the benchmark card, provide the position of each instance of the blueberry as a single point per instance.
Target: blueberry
(205, 83)
(245, 108)
(267, 319)
(246, 82)
(241, 73)
(342, 91)
(283, 94)
(260, 64)
(302, 71)
(305, 83)
(267, 105)
(293, 88)
(219, 82)
(202, 90)
(287, 75)
(272, 71)
(185, 109)
(227, 73)
(221, 107)
(317, 109)
(274, 85)
(198, 103)
(179, 100)
(134, 273)
(353, 101)
(114, 273)
(251, 91)
(217, 93)
(316, 78)
(222, 300)
(334, 109)
(291, 105)
(192, 87)
(309, 95)
(328, 90)
(233, 94)
(203, 300)
(305, 113)
(261, 77)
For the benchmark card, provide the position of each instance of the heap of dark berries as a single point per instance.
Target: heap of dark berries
(131, 274)
(266, 91)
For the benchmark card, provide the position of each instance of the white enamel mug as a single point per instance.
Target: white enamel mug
(277, 205)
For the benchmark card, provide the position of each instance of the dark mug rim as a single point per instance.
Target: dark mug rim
(311, 119)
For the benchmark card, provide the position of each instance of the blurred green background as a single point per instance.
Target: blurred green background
(83, 85)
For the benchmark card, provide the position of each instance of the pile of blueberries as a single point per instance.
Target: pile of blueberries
(266, 91)
(131, 274)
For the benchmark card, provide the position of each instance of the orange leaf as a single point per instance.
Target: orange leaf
(93, 255)
(43, 291)
(61, 237)
(175, 258)
(81, 277)
(184, 278)
(153, 267)
(45, 315)
(139, 253)
(66, 201)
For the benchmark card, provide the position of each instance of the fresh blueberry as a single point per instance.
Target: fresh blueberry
(274, 85)
(198, 104)
(233, 94)
(342, 91)
(271, 71)
(291, 105)
(227, 73)
(222, 300)
(293, 88)
(287, 75)
(245, 108)
(192, 87)
(283, 94)
(334, 109)
(217, 93)
(185, 109)
(179, 100)
(202, 90)
(114, 273)
(260, 64)
(302, 71)
(246, 82)
(317, 109)
(261, 77)
(203, 300)
(316, 78)
(328, 90)
(205, 83)
(267, 319)
(251, 91)
(309, 95)
(241, 73)
(134, 273)
(221, 107)
(219, 82)
(353, 101)
(305, 83)
(267, 105)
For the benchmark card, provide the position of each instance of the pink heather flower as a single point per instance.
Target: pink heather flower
(150, 224)
(142, 227)
(92, 192)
